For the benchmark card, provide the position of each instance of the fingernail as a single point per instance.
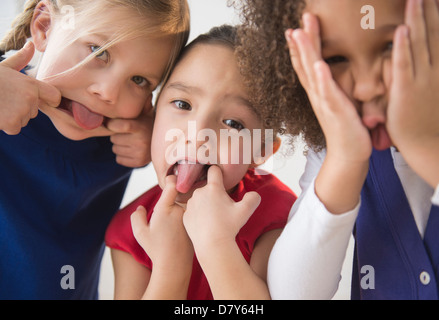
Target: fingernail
(296, 35)
(405, 31)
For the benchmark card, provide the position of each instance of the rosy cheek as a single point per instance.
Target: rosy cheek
(233, 174)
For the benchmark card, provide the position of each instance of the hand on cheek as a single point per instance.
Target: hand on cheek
(413, 110)
(22, 95)
(131, 138)
(346, 136)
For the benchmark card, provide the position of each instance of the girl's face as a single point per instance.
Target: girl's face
(205, 91)
(115, 84)
(360, 59)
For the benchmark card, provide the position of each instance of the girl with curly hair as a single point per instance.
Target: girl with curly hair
(362, 100)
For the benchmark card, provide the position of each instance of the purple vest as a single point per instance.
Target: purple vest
(389, 250)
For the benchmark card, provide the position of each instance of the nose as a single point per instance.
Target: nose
(369, 93)
(106, 88)
(368, 83)
(199, 133)
(202, 138)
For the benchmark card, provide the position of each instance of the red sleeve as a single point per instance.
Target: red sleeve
(272, 213)
(119, 234)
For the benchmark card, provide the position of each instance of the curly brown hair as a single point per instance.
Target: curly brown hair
(265, 63)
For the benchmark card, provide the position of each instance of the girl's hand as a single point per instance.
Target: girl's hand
(212, 217)
(348, 142)
(22, 95)
(132, 138)
(413, 111)
(164, 238)
(346, 136)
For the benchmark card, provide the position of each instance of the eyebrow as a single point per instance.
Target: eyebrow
(195, 90)
(101, 37)
(246, 103)
(183, 87)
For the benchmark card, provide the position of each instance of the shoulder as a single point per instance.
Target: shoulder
(272, 213)
(119, 234)
(273, 192)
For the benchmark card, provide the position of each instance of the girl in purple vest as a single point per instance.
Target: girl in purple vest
(363, 94)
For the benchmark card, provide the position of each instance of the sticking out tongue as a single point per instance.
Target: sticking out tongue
(85, 118)
(187, 175)
(380, 138)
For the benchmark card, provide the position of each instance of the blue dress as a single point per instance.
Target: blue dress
(57, 197)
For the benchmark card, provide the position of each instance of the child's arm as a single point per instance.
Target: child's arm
(22, 95)
(349, 145)
(166, 242)
(212, 220)
(132, 138)
(307, 259)
(130, 277)
(413, 112)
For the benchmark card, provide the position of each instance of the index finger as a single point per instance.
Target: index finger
(215, 177)
(169, 193)
(48, 95)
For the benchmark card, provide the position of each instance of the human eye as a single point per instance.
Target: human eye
(140, 81)
(99, 53)
(335, 60)
(234, 124)
(389, 46)
(182, 105)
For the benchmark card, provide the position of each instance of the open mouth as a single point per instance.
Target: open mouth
(380, 137)
(189, 175)
(84, 117)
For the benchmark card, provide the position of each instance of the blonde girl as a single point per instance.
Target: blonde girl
(100, 62)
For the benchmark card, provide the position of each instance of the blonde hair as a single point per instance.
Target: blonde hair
(157, 18)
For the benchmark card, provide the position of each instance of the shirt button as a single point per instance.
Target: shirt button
(424, 277)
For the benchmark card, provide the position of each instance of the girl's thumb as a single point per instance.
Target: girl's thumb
(249, 203)
(21, 58)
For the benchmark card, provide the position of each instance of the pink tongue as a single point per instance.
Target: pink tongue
(380, 138)
(85, 118)
(187, 175)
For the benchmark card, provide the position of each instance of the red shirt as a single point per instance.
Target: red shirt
(276, 202)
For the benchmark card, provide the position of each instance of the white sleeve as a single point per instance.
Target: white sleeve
(435, 199)
(307, 259)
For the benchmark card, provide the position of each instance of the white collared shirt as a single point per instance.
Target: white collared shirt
(435, 198)
(307, 259)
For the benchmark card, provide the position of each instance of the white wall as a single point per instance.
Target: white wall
(204, 15)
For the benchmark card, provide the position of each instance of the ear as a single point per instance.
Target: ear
(41, 24)
(266, 154)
